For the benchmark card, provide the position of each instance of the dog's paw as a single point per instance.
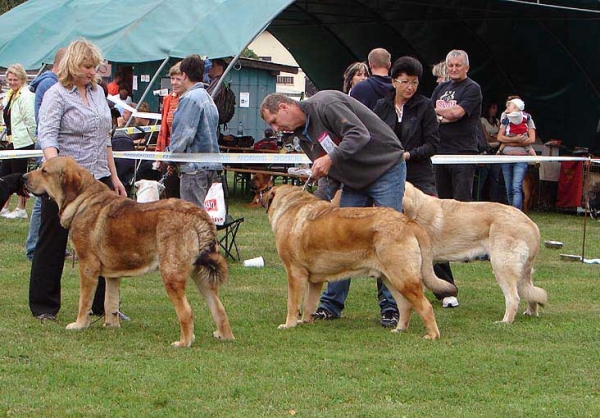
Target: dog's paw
(530, 313)
(180, 344)
(431, 337)
(77, 325)
(113, 324)
(397, 330)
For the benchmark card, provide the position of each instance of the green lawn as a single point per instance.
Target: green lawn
(547, 366)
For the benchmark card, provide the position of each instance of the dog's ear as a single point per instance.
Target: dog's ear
(71, 181)
(267, 199)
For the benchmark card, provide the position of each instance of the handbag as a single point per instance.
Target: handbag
(214, 203)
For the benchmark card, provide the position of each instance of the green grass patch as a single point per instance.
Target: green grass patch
(545, 366)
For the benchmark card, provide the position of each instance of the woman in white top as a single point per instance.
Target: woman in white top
(19, 116)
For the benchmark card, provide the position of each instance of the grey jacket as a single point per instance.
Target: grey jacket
(366, 146)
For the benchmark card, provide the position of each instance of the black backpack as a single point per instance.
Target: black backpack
(225, 101)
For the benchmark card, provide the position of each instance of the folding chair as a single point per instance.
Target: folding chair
(227, 241)
(230, 227)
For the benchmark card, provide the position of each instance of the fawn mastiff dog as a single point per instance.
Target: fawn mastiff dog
(115, 236)
(259, 184)
(319, 242)
(464, 230)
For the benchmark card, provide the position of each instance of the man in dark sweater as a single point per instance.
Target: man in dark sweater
(379, 84)
(350, 144)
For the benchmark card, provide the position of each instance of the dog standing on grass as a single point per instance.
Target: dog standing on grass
(115, 236)
(319, 242)
(462, 231)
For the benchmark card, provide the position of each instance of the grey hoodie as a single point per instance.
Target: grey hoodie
(366, 147)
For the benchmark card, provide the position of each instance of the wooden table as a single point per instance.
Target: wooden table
(242, 172)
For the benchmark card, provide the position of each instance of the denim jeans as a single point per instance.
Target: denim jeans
(34, 228)
(194, 186)
(386, 191)
(514, 173)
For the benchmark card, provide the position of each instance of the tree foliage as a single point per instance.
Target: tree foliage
(6, 5)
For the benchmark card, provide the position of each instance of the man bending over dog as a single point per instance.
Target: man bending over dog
(349, 143)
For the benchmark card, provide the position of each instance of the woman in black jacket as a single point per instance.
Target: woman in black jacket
(413, 119)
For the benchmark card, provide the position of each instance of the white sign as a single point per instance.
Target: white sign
(244, 99)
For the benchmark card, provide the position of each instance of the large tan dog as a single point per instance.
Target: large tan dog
(464, 230)
(319, 242)
(115, 237)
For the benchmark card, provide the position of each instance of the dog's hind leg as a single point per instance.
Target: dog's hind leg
(87, 287)
(410, 294)
(507, 275)
(311, 301)
(111, 302)
(210, 292)
(174, 282)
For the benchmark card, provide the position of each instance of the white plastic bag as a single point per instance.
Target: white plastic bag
(215, 203)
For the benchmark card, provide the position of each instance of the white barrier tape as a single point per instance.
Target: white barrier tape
(271, 158)
(117, 100)
(229, 158)
(8, 155)
(138, 129)
(502, 159)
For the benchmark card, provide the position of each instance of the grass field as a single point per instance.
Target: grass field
(547, 366)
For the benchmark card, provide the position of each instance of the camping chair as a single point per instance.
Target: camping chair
(230, 227)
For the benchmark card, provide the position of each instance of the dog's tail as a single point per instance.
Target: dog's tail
(212, 266)
(431, 281)
(529, 292)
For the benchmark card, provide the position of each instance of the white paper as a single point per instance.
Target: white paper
(135, 83)
(244, 99)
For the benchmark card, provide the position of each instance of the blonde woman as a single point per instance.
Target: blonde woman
(440, 71)
(75, 121)
(19, 116)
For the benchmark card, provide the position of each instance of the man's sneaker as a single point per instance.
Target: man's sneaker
(389, 319)
(450, 302)
(17, 214)
(324, 314)
(4, 212)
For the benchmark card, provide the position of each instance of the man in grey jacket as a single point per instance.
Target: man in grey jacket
(349, 143)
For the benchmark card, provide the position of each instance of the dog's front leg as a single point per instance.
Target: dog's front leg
(111, 302)
(311, 301)
(87, 287)
(296, 289)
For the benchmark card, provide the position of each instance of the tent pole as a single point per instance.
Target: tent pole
(164, 63)
(234, 60)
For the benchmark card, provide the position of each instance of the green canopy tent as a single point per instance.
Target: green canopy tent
(132, 31)
(543, 50)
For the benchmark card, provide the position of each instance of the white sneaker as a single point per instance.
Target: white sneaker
(4, 212)
(17, 214)
(450, 302)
